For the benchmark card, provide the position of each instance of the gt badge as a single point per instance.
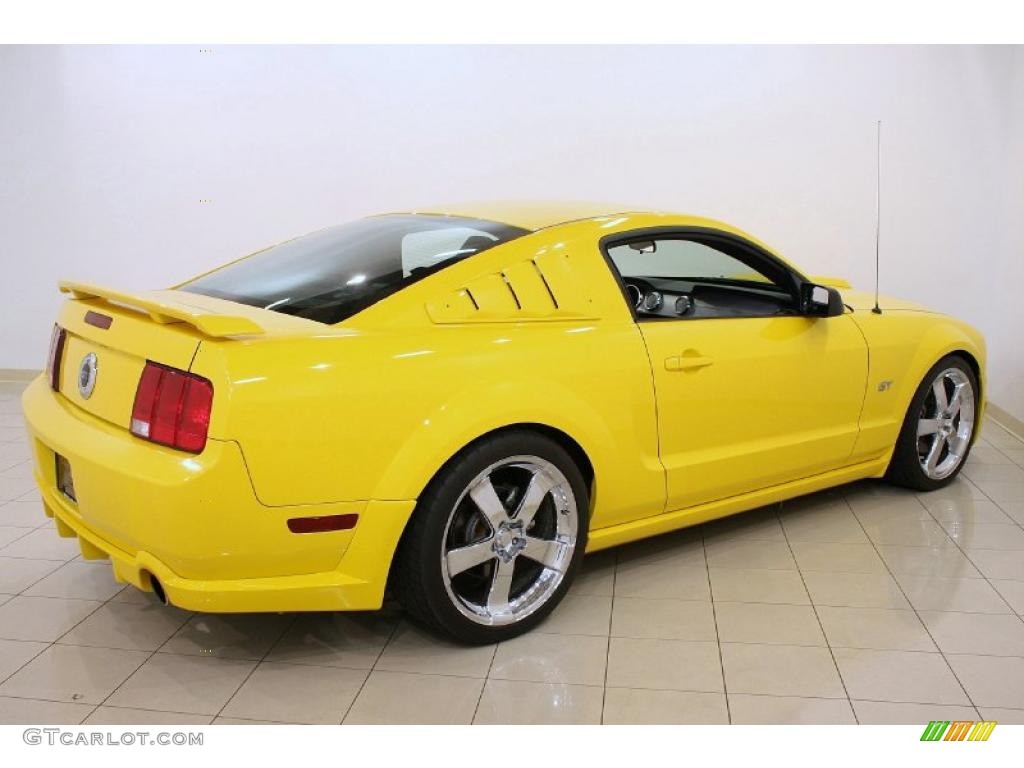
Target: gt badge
(884, 385)
(87, 375)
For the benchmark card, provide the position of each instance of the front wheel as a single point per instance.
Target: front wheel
(938, 429)
(495, 540)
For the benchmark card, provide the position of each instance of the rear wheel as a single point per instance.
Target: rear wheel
(495, 539)
(938, 429)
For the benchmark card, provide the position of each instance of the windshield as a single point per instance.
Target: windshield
(332, 274)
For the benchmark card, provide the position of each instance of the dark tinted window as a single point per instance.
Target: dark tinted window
(334, 273)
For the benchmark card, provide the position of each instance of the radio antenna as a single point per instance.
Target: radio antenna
(878, 207)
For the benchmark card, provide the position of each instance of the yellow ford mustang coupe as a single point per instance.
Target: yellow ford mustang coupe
(458, 403)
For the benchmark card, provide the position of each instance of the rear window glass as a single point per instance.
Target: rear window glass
(334, 273)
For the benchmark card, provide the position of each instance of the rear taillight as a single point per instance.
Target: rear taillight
(172, 408)
(53, 358)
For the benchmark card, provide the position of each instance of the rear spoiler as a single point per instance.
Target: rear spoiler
(160, 310)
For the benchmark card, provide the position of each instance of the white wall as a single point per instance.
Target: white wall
(105, 154)
(1004, 320)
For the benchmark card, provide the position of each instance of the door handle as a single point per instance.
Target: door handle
(690, 360)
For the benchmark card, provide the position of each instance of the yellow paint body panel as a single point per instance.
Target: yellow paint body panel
(164, 311)
(311, 419)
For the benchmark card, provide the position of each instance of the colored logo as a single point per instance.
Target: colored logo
(958, 730)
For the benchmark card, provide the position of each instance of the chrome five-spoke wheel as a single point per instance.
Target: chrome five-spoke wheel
(509, 540)
(939, 426)
(945, 424)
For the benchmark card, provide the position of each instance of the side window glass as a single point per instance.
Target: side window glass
(684, 278)
(427, 248)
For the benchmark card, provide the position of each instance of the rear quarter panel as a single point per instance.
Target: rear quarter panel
(373, 408)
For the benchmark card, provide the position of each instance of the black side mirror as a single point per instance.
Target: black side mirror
(820, 301)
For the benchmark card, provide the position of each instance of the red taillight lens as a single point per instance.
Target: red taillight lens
(172, 408)
(54, 356)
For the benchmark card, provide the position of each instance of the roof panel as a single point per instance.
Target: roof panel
(532, 215)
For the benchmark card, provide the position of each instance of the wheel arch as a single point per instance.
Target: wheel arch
(903, 346)
(561, 437)
(948, 338)
(571, 446)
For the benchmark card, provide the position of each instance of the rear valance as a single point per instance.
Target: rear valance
(161, 310)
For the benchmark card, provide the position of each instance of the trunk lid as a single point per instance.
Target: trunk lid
(121, 331)
(120, 353)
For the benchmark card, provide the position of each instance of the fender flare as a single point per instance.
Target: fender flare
(459, 421)
(945, 337)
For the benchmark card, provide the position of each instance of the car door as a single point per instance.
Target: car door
(750, 393)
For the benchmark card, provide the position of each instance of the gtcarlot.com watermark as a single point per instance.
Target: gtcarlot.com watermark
(92, 738)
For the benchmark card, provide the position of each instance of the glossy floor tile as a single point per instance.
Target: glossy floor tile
(855, 590)
(524, 703)
(126, 716)
(136, 626)
(781, 670)
(789, 710)
(664, 664)
(401, 698)
(176, 683)
(880, 628)
(663, 619)
(289, 693)
(73, 673)
(895, 713)
(935, 593)
(768, 623)
(758, 586)
(544, 658)
(641, 706)
(77, 580)
(42, 618)
(865, 603)
(415, 650)
(991, 681)
(903, 676)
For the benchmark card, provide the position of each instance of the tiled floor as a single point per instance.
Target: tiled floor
(864, 604)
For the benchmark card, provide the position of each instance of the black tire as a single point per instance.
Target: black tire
(905, 466)
(418, 580)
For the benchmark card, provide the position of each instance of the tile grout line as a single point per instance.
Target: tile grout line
(16, 539)
(371, 670)
(105, 603)
(976, 485)
(487, 677)
(292, 662)
(991, 586)
(714, 618)
(49, 643)
(998, 505)
(824, 635)
(656, 690)
(608, 646)
(917, 614)
(967, 555)
(111, 706)
(144, 661)
(1006, 429)
(292, 618)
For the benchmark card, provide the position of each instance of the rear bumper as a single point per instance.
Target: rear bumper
(195, 524)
